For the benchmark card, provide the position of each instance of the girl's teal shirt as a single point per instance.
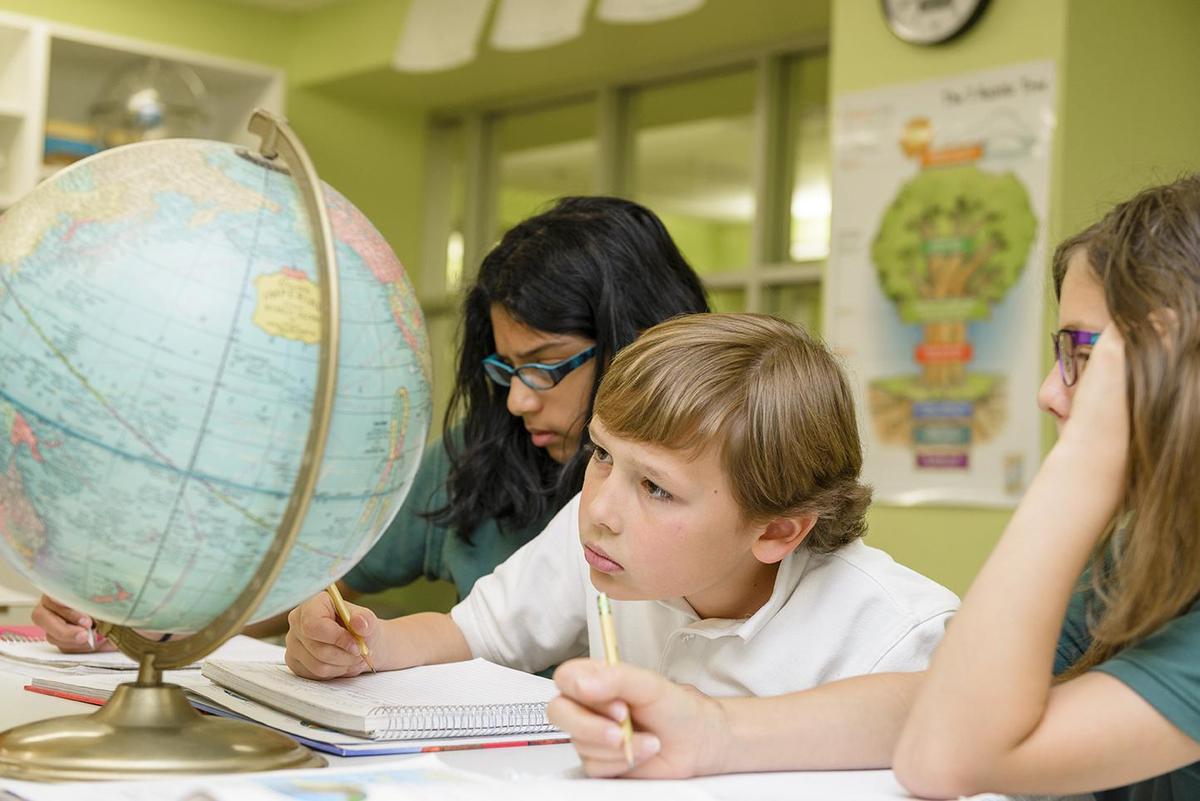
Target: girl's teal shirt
(414, 546)
(1165, 671)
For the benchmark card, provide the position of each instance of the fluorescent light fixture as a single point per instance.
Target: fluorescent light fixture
(440, 34)
(622, 11)
(530, 24)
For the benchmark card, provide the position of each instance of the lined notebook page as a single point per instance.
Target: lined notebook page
(362, 703)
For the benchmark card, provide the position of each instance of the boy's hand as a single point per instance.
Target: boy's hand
(67, 628)
(677, 730)
(319, 647)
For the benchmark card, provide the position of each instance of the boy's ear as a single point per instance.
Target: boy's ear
(780, 537)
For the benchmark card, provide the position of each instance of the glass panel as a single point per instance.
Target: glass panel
(800, 303)
(442, 326)
(454, 142)
(693, 165)
(808, 78)
(545, 154)
(727, 300)
(446, 210)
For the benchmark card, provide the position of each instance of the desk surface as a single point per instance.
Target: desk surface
(18, 706)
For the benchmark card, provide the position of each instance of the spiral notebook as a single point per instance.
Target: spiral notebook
(460, 699)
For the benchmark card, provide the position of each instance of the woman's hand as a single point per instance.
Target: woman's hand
(678, 731)
(66, 628)
(319, 647)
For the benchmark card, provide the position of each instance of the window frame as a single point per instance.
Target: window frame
(772, 173)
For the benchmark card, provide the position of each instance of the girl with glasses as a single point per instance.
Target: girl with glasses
(553, 302)
(1047, 682)
(1072, 665)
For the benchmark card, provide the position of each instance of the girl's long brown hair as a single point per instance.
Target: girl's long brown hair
(1146, 570)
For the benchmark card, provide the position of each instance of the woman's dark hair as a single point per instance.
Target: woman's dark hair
(597, 267)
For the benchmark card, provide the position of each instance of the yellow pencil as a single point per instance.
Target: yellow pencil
(609, 635)
(339, 606)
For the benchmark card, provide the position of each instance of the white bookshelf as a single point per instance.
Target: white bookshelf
(54, 71)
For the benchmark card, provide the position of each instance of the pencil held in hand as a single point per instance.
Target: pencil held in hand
(343, 613)
(609, 635)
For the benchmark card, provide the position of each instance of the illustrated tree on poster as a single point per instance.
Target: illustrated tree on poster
(950, 246)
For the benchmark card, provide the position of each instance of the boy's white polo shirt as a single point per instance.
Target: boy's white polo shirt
(830, 616)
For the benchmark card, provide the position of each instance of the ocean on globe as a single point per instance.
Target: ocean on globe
(159, 342)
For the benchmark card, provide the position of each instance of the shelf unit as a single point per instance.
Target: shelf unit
(54, 71)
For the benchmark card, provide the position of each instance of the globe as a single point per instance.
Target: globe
(159, 342)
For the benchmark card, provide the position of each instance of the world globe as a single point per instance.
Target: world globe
(159, 341)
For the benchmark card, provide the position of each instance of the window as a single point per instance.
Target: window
(693, 164)
(794, 293)
(734, 159)
(544, 154)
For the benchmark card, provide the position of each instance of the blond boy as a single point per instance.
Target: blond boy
(721, 511)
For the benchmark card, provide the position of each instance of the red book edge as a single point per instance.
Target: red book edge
(64, 694)
(31, 632)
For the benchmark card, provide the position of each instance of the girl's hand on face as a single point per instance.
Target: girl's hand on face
(1098, 426)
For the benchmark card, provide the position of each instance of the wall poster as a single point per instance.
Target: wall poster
(936, 279)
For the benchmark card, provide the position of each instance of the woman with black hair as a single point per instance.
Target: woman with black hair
(558, 296)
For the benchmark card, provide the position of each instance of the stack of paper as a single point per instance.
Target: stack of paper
(410, 685)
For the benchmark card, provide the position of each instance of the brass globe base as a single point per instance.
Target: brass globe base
(144, 731)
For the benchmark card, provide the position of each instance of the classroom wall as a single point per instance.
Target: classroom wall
(1131, 115)
(374, 156)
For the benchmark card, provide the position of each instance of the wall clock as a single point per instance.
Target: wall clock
(927, 22)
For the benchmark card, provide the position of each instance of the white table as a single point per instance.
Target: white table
(18, 706)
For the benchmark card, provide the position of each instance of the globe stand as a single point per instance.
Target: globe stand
(148, 729)
(145, 728)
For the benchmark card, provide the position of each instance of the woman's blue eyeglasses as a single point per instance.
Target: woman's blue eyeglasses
(1066, 340)
(535, 376)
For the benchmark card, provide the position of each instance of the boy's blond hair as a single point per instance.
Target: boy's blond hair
(770, 397)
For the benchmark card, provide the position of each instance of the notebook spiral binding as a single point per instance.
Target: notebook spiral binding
(421, 722)
(9, 636)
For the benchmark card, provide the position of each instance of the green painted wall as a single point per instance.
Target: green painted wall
(948, 544)
(1131, 115)
(372, 155)
(225, 29)
(345, 38)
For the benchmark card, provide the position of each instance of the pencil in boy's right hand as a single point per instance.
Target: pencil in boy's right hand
(608, 634)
